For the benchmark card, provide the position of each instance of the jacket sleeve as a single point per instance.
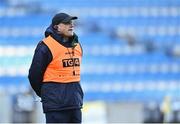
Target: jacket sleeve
(42, 57)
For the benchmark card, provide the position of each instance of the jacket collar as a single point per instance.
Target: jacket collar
(70, 43)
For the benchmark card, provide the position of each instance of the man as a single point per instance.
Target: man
(55, 71)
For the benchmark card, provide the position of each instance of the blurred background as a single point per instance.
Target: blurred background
(131, 58)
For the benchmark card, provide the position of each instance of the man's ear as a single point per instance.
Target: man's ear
(55, 27)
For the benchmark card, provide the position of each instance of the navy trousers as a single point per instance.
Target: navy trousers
(64, 116)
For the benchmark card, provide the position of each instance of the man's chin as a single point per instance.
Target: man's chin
(70, 35)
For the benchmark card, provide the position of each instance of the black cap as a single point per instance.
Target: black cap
(62, 18)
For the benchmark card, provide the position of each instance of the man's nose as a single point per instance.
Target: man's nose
(72, 24)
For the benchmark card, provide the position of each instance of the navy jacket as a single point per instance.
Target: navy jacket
(55, 96)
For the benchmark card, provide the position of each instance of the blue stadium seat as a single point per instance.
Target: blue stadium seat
(38, 20)
(20, 40)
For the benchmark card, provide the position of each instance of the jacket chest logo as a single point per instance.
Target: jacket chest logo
(71, 62)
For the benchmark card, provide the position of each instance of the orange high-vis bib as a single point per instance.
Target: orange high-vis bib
(65, 65)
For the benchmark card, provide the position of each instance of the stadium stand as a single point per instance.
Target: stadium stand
(127, 44)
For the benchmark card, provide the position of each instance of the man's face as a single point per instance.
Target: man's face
(66, 29)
